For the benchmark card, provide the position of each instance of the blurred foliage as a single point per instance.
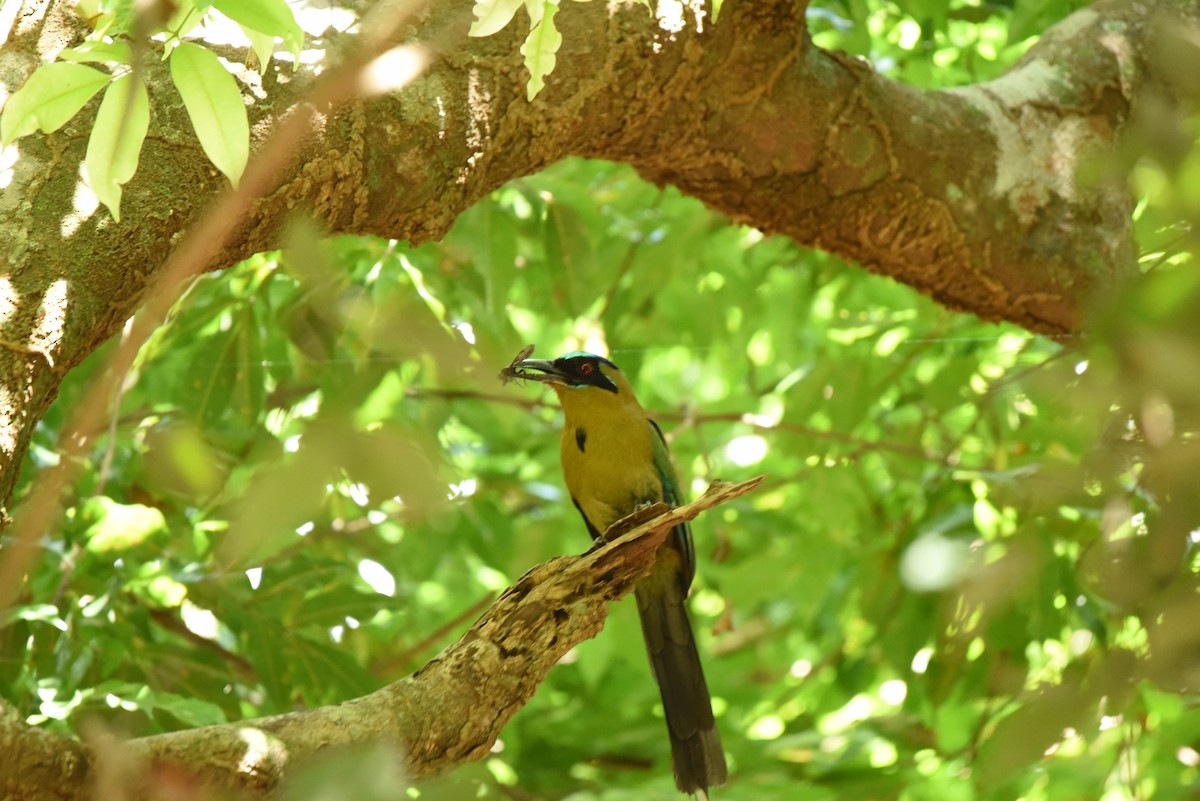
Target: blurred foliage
(972, 574)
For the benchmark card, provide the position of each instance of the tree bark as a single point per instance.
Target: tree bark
(447, 713)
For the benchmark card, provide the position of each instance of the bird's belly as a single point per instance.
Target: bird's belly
(609, 480)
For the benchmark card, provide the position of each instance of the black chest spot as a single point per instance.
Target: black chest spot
(580, 438)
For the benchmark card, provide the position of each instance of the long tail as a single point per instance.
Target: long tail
(696, 752)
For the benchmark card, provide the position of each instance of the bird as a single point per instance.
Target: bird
(615, 461)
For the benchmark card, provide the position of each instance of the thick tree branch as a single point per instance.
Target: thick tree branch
(980, 196)
(38, 764)
(1006, 199)
(447, 713)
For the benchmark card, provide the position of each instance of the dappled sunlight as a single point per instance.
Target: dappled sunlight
(479, 128)
(674, 15)
(84, 205)
(491, 579)
(768, 727)
(856, 710)
(934, 562)
(218, 29)
(746, 450)
(264, 752)
(392, 70)
(313, 58)
(48, 332)
(893, 692)
(377, 577)
(585, 335)
(8, 429)
(200, 621)
(8, 160)
(8, 299)
(1158, 419)
(316, 18)
(8, 18)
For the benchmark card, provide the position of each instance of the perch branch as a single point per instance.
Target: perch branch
(446, 714)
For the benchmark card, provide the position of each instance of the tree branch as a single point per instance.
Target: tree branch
(979, 196)
(1007, 199)
(447, 713)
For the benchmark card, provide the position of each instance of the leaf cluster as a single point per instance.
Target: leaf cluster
(122, 35)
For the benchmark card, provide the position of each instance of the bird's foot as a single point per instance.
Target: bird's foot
(644, 513)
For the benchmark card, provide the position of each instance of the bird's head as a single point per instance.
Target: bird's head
(580, 380)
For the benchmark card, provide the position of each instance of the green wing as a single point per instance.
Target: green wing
(671, 494)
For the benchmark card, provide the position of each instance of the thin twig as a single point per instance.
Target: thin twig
(113, 423)
(626, 264)
(172, 624)
(806, 431)
(690, 417)
(420, 393)
(388, 666)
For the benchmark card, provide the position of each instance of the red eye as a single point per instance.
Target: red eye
(586, 368)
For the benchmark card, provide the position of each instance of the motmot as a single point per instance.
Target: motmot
(614, 461)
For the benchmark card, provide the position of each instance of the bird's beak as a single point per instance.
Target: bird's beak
(547, 373)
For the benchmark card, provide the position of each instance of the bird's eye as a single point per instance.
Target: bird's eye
(586, 368)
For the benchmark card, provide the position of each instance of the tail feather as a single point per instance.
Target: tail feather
(696, 753)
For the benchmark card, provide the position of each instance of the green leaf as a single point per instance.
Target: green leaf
(263, 45)
(124, 15)
(45, 613)
(99, 52)
(540, 48)
(192, 711)
(116, 141)
(273, 17)
(187, 16)
(326, 670)
(1023, 737)
(215, 107)
(331, 607)
(119, 526)
(225, 380)
(264, 641)
(1026, 15)
(492, 15)
(535, 11)
(53, 94)
(178, 460)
